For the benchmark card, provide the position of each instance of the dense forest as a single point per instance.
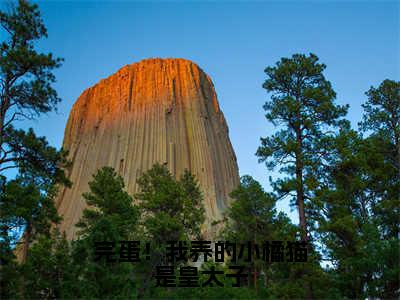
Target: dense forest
(343, 181)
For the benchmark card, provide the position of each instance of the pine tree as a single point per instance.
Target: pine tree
(26, 81)
(360, 201)
(111, 217)
(382, 121)
(346, 226)
(302, 106)
(171, 210)
(48, 271)
(253, 217)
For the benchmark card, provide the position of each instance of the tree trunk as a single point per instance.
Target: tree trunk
(255, 277)
(300, 197)
(300, 188)
(265, 277)
(26, 240)
(4, 106)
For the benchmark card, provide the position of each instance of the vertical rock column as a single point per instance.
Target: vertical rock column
(157, 110)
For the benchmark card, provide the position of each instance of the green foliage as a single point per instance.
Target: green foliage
(23, 205)
(108, 201)
(171, 211)
(26, 80)
(382, 110)
(27, 75)
(35, 158)
(345, 226)
(360, 203)
(111, 217)
(252, 212)
(48, 270)
(9, 274)
(382, 175)
(26, 202)
(253, 217)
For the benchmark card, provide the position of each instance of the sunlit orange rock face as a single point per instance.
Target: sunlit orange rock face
(157, 110)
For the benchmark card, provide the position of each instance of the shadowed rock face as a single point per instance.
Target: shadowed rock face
(157, 110)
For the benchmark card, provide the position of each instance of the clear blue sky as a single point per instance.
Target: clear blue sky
(231, 41)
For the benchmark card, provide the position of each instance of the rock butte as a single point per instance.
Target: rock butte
(156, 110)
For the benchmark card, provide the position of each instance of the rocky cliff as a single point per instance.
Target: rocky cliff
(157, 110)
